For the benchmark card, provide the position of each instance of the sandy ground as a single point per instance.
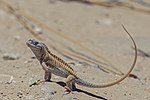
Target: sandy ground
(96, 27)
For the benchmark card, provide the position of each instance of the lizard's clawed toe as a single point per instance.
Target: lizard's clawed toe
(36, 83)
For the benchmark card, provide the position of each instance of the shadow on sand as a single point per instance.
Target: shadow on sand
(85, 92)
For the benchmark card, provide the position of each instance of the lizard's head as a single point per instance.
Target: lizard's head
(38, 48)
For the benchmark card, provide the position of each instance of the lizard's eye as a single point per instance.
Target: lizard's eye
(35, 43)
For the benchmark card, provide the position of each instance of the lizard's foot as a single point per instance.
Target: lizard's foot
(68, 90)
(70, 85)
(47, 77)
(37, 82)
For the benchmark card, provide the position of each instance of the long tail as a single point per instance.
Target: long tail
(88, 84)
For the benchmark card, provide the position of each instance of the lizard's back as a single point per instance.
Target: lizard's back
(59, 67)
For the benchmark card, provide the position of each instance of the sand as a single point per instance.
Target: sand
(95, 27)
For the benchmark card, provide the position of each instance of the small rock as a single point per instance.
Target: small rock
(11, 56)
(28, 61)
(17, 37)
(104, 21)
(37, 29)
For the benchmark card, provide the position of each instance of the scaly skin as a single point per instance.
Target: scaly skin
(53, 64)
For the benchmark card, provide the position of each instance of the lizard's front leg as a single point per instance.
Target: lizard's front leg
(47, 76)
(70, 85)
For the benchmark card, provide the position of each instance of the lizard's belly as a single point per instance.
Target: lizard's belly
(59, 71)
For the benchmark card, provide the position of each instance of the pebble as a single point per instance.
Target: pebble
(17, 37)
(28, 61)
(37, 29)
(104, 21)
(7, 56)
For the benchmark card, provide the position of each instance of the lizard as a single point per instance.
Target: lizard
(52, 64)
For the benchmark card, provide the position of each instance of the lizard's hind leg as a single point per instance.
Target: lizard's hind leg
(70, 85)
(47, 76)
